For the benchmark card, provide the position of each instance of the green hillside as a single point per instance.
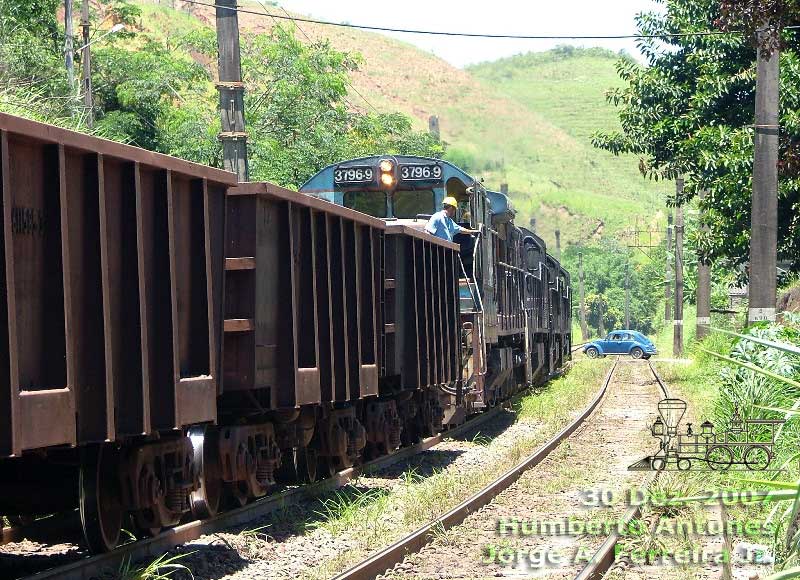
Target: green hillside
(566, 87)
(524, 120)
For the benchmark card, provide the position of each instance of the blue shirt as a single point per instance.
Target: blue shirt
(442, 226)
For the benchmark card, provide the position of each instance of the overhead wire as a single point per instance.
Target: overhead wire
(303, 32)
(480, 34)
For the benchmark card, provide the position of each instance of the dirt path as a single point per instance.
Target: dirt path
(594, 459)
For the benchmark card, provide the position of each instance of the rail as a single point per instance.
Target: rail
(388, 557)
(603, 559)
(99, 565)
(577, 347)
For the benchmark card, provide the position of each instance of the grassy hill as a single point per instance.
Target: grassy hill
(524, 120)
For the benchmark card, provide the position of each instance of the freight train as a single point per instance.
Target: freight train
(177, 342)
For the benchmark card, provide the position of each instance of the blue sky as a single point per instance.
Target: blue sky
(534, 17)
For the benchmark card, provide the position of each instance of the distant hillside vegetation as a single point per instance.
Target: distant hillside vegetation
(525, 120)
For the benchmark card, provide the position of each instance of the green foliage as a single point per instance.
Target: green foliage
(604, 282)
(155, 90)
(690, 112)
(298, 115)
(555, 98)
(750, 391)
(162, 568)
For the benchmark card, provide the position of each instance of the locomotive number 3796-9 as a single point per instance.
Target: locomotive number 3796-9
(412, 172)
(353, 175)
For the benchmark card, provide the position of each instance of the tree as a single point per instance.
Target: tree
(690, 112)
(605, 285)
(157, 92)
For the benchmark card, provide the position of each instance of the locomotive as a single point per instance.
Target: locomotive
(177, 342)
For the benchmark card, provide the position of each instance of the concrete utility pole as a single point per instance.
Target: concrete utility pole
(69, 33)
(433, 126)
(504, 188)
(558, 245)
(533, 224)
(582, 305)
(86, 56)
(627, 296)
(764, 212)
(231, 90)
(677, 337)
(668, 274)
(703, 288)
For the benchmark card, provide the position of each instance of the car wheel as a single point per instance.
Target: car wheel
(637, 352)
(592, 352)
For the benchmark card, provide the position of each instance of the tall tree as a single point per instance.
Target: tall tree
(691, 112)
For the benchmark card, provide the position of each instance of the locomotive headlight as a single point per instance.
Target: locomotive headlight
(386, 166)
(386, 178)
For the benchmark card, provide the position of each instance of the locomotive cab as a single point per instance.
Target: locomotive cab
(406, 191)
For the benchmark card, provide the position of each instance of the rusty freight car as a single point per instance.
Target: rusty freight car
(175, 340)
(110, 308)
(335, 327)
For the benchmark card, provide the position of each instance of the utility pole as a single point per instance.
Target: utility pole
(86, 56)
(231, 90)
(533, 224)
(627, 296)
(601, 326)
(668, 274)
(764, 211)
(703, 287)
(558, 245)
(433, 126)
(69, 33)
(582, 305)
(504, 188)
(677, 337)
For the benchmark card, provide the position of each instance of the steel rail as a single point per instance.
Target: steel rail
(92, 567)
(381, 561)
(577, 347)
(603, 559)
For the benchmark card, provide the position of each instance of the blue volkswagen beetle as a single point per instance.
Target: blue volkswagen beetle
(621, 342)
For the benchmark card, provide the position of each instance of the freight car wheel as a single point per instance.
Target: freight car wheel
(100, 498)
(205, 500)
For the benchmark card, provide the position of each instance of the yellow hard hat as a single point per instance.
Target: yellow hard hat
(450, 201)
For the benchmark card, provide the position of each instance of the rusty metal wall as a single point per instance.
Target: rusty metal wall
(423, 344)
(303, 310)
(111, 288)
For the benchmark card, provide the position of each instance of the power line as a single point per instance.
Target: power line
(482, 35)
(303, 32)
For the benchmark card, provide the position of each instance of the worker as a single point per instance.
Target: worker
(442, 225)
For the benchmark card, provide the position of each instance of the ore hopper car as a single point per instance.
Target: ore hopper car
(111, 308)
(176, 342)
(510, 319)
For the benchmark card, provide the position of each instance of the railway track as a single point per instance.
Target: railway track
(90, 567)
(603, 559)
(388, 557)
(576, 347)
